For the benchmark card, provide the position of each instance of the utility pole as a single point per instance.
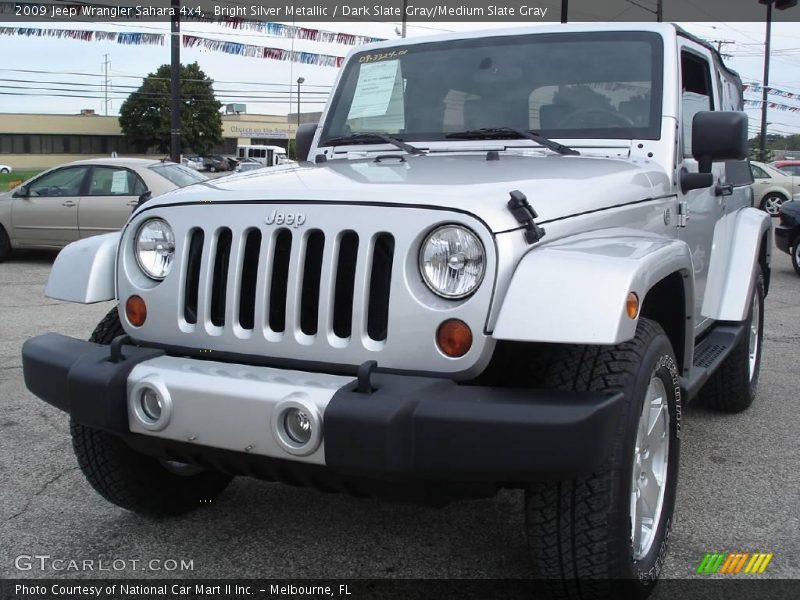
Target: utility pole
(106, 62)
(175, 83)
(720, 44)
(403, 26)
(299, 81)
(564, 11)
(780, 5)
(660, 11)
(762, 150)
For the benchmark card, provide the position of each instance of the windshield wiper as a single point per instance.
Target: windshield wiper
(370, 138)
(494, 133)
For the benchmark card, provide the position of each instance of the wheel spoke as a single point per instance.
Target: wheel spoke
(648, 479)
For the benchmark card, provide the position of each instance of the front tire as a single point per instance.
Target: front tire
(592, 537)
(772, 202)
(135, 481)
(5, 245)
(732, 388)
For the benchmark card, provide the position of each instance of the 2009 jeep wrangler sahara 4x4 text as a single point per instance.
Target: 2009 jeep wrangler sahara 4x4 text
(443, 300)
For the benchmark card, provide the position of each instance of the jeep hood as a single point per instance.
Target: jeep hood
(556, 186)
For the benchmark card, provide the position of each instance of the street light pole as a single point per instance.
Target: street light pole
(175, 84)
(299, 81)
(564, 11)
(660, 11)
(762, 154)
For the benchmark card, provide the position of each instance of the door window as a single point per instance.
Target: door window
(63, 182)
(697, 95)
(113, 181)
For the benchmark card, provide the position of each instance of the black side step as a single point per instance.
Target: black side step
(709, 354)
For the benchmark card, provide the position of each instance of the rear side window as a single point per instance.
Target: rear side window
(113, 181)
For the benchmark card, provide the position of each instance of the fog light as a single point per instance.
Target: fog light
(298, 425)
(151, 404)
(136, 311)
(454, 338)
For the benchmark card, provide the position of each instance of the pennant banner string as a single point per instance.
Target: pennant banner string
(128, 38)
(306, 58)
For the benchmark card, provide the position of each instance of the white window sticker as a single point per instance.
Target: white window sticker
(119, 182)
(377, 83)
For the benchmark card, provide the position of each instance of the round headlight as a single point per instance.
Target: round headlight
(452, 261)
(155, 248)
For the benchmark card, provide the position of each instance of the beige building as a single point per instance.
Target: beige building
(37, 141)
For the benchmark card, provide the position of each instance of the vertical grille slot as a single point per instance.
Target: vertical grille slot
(379, 287)
(312, 270)
(192, 283)
(345, 281)
(247, 292)
(280, 279)
(219, 282)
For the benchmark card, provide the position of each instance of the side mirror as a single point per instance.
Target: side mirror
(305, 135)
(719, 135)
(144, 198)
(20, 192)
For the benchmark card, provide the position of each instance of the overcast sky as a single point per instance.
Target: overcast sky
(59, 57)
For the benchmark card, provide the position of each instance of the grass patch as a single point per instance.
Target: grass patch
(6, 179)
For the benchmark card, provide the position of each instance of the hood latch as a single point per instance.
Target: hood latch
(524, 214)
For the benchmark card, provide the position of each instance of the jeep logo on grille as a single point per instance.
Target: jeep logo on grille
(279, 218)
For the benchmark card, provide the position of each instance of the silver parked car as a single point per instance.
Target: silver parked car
(81, 199)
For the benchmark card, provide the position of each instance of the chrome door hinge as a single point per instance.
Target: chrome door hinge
(683, 213)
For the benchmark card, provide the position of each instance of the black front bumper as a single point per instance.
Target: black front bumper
(407, 429)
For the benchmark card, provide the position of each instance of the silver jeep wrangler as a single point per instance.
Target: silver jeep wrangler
(507, 260)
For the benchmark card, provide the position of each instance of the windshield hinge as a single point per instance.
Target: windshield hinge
(524, 214)
(683, 213)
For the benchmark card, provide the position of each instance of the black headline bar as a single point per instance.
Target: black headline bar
(735, 587)
(522, 11)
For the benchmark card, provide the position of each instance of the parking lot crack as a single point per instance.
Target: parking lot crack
(39, 492)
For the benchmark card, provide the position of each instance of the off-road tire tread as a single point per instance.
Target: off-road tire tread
(107, 329)
(569, 521)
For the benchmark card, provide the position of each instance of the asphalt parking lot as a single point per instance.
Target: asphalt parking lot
(739, 487)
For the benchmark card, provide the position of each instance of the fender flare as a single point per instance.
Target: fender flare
(85, 271)
(731, 272)
(574, 290)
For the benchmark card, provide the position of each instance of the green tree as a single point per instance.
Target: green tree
(145, 115)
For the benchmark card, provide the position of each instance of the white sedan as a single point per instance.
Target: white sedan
(772, 187)
(81, 199)
(5, 169)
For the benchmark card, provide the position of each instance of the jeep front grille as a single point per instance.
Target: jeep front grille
(304, 291)
(341, 288)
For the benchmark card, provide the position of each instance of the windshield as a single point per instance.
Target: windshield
(585, 85)
(178, 174)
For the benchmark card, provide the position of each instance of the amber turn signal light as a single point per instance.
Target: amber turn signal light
(136, 311)
(454, 338)
(632, 305)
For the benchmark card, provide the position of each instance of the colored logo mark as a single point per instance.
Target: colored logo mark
(732, 563)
